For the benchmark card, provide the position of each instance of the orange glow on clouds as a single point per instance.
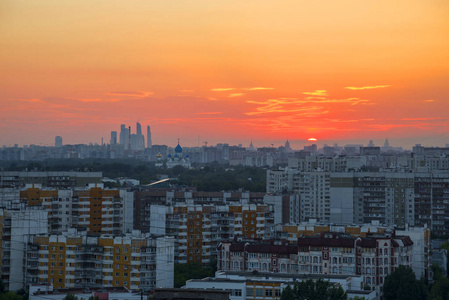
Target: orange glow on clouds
(312, 140)
(225, 71)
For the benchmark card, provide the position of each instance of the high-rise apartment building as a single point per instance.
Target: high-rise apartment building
(76, 260)
(95, 210)
(415, 198)
(198, 229)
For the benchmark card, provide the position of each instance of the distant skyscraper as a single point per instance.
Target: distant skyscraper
(124, 136)
(138, 128)
(113, 138)
(251, 146)
(58, 141)
(149, 141)
(370, 144)
(287, 146)
(140, 139)
(386, 144)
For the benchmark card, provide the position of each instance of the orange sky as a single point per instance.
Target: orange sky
(226, 71)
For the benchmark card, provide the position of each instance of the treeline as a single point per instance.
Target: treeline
(184, 272)
(207, 177)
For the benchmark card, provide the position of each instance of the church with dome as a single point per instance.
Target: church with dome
(178, 159)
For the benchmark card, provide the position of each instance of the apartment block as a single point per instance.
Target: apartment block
(18, 179)
(79, 260)
(17, 227)
(93, 209)
(390, 197)
(198, 229)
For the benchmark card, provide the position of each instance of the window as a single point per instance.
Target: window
(259, 292)
(269, 293)
(236, 292)
(250, 292)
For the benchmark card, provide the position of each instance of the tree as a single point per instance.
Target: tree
(184, 272)
(70, 296)
(94, 298)
(10, 296)
(403, 285)
(313, 290)
(440, 287)
(287, 294)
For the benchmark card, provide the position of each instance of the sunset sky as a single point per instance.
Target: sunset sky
(225, 71)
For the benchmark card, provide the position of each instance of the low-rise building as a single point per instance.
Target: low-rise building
(373, 256)
(263, 285)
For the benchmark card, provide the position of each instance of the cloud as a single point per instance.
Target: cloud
(367, 87)
(316, 93)
(138, 94)
(235, 95)
(187, 91)
(98, 100)
(420, 119)
(257, 88)
(222, 89)
(32, 100)
(278, 106)
(290, 105)
(429, 100)
(210, 113)
(350, 121)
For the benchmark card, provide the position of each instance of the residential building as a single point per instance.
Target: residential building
(93, 209)
(75, 259)
(373, 257)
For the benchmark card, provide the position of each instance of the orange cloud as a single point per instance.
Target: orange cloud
(420, 119)
(258, 88)
(316, 93)
(209, 113)
(367, 87)
(222, 89)
(429, 100)
(235, 95)
(131, 94)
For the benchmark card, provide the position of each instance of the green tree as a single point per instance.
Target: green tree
(287, 294)
(70, 296)
(313, 290)
(184, 272)
(440, 288)
(94, 298)
(10, 296)
(403, 285)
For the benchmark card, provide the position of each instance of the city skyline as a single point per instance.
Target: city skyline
(341, 72)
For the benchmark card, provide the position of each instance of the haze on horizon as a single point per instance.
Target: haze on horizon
(339, 71)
